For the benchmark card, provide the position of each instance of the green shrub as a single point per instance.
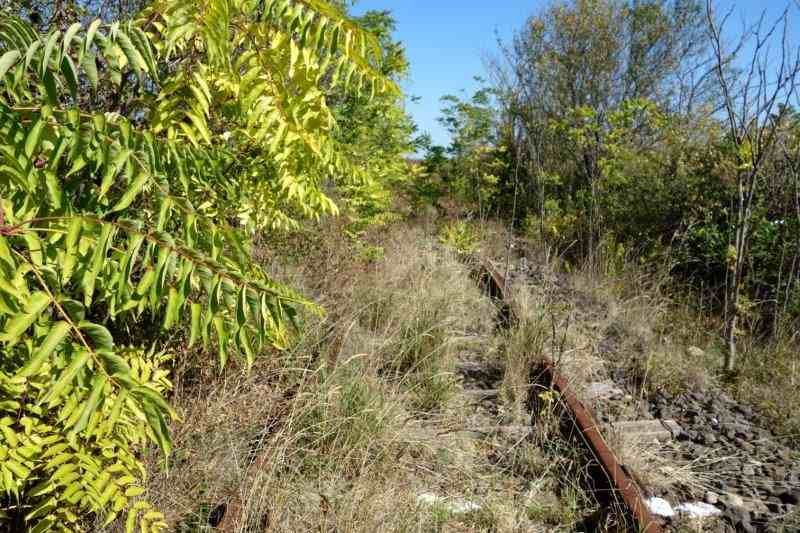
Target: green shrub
(128, 218)
(460, 236)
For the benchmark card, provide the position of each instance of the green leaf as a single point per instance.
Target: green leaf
(241, 307)
(195, 331)
(133, 492)
(154, 397)
(222, 338)
(100, 336)
(53, 189)
(7, 61)
(171, 315)
(16, 326)
(90, 406)
(244, 342)
(58, 332)
(31, 52)
(75, 310)
(146, 282)
(51, 91)
(35, 250)
(115, 365)
(48, 51)
(135, 59)
(98, 257)
(75, 366)
(90, 68)
(68, 36)
(90, 33)
(155, 419)
(71, 75)
(131, 192)
(71, 249)
(15, 176)
(32, 140)
(111, 172)
(142, 43)
(45, 524)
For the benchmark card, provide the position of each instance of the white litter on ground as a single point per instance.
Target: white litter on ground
(698, 509)
(426, 498)
(660, 507)
(455, 506)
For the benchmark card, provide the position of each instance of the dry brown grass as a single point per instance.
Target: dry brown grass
(347, 429)
(667, 343)
(769, 378)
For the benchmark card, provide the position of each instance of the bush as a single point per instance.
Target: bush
(137, 160)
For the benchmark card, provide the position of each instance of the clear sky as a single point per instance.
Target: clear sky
(448, 40)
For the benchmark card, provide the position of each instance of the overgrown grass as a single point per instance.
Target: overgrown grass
(523, 350)
(331, 435)
(667, 342)
(661, 336)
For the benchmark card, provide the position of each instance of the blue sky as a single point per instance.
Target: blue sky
(448, 40)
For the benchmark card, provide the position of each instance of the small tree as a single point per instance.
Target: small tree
(137, 161)
(472, 126)
(754, 105)
(578, 62)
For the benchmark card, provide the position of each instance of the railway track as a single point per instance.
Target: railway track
(612, 482)
(744, 476)
(748, 499)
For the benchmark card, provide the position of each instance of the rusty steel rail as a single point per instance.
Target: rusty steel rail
(616, 475)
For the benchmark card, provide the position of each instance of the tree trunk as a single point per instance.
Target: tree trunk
(734, 278)
(730, 339)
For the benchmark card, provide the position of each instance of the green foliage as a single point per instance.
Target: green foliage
(460, 236)
(377, 133)
(344, 412)
(137, 160)
(601, 139)
(474, 163)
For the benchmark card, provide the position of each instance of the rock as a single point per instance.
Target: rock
(733, 500)
(645, 430)
(711, 498)
(602, 390)
(789, 498)
(454, 506)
